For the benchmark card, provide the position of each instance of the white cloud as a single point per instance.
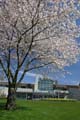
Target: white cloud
(31, 74)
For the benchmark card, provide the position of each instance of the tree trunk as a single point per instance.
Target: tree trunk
(10, 105)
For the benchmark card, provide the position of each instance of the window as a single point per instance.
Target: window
(45, 84)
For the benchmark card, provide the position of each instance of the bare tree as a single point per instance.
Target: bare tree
(35, 33)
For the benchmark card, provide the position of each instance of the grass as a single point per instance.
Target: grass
(42, 110)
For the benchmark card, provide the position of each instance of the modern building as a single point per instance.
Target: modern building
(43, 88)
(24, 91)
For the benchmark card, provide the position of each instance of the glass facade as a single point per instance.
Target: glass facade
(45, 84)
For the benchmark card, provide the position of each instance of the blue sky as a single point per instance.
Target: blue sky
(74, 77)
(70, 79)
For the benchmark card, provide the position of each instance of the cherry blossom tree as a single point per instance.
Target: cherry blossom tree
(34, 34)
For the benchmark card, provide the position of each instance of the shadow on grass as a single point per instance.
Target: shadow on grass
(8, 114)
(23, 108)
(2, 106)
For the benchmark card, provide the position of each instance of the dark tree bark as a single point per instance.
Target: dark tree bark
(11, 103)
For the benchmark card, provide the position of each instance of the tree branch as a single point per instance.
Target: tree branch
(30, 46)
(5, 71)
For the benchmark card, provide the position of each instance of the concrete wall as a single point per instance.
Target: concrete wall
(74, 93)
(3, 91)
(24, 91)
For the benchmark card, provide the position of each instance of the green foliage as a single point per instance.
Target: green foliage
(42, 110)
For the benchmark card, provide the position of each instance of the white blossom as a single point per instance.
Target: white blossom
(45, 29)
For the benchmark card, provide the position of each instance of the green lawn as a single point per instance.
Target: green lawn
(42, 110)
